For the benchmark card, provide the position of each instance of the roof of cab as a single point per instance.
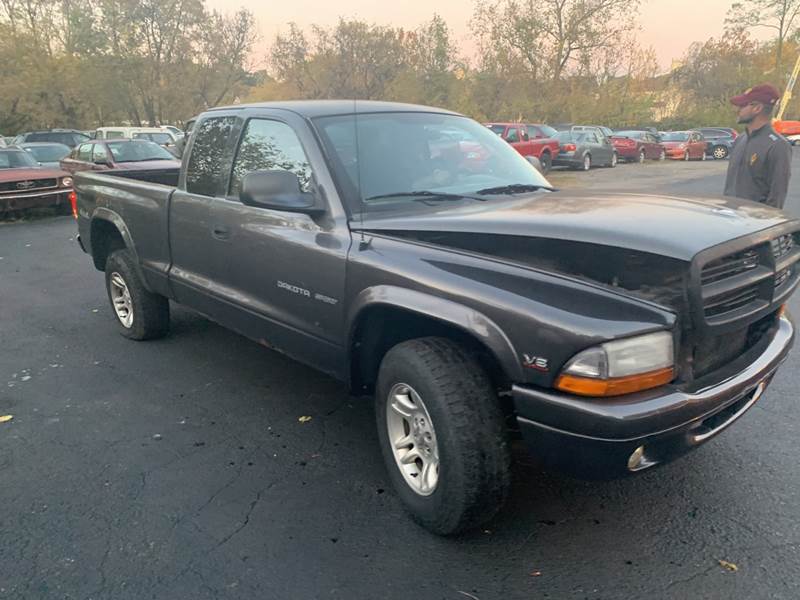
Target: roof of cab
(325, 108)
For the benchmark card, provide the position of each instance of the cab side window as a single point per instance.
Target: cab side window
(512, 135)
(268, 146)
(85, 152)
(206, 161)
(99, 154)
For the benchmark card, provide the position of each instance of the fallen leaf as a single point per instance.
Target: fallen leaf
(728, 566)
(536, 573)
(304, 419)
(6, 418)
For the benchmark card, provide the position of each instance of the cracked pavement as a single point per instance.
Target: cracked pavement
(178, 469)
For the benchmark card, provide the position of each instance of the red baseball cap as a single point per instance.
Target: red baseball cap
(764, 93)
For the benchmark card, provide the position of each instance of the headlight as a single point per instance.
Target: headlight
(620, 367)
(66, 182)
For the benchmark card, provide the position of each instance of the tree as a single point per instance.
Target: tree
(779, 15)
(547, 36)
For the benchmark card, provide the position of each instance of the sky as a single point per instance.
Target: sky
(670, 26)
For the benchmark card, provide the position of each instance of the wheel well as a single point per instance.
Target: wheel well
(106, 238)
(381, 328)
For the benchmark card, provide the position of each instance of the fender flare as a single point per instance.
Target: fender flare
(102, 213)
(469, 320)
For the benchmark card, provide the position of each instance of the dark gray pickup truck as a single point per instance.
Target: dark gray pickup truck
(411, 253)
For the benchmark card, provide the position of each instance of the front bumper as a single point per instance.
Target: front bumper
(594, 438)
(676, 154)
(38, 199)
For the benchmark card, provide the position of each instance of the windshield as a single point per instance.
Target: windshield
(16, 159)
(52, 153)
(547, 130)
(675, 136)
(158, 138)
(396, 154)
(570, 136)
(636, 135)
(138, 151)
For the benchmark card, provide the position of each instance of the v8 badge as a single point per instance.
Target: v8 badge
(535, 362)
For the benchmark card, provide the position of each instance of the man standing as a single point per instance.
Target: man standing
(760, 161)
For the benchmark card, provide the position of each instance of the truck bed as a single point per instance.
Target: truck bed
(143, 204)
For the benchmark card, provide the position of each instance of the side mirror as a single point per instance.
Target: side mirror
(535, 162)
(277, 190)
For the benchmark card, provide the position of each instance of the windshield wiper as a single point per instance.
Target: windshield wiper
(426, 195)
(514, 188)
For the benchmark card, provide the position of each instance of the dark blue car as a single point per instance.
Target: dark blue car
(720, 141)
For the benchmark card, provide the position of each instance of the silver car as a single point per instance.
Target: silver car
(584, 148)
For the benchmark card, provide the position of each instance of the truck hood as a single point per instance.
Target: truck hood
(149, 165)
(669, 226)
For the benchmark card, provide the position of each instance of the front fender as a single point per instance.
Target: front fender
(465, 318)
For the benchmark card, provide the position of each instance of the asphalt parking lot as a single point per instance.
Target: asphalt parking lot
(179, 469)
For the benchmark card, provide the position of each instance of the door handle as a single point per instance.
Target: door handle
(220, 232)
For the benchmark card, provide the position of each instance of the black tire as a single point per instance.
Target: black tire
(547, 162)
(474, 457)
(150, 311)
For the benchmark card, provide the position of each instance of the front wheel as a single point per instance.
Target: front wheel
(641, 156)
(686, 156)
(614, 160)
(662, 155)
(442, 435)
(141, 314)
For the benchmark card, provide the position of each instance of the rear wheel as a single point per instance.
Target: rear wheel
(720, 152)
(614, 160)
(141, 315)
(662, 155)
(442, 435)
(642, 156)
(587, 162)
(686, 156)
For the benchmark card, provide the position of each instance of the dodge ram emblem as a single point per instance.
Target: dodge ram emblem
(25, 185)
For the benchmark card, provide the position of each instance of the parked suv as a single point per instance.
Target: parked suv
(68, 137)
(720, 141)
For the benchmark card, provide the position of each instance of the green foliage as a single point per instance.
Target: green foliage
(85, 63)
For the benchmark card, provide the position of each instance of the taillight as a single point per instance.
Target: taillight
(73, 200)
(569, 147)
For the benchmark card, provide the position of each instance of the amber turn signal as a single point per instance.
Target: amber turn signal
(73, 200)
(588, 386)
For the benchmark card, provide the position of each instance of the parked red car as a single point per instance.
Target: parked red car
(102, 155)
(684, 145)
(528, 141)
(24, 184)
(638, 146)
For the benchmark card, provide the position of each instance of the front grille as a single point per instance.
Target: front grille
(731, 301)
(30, 185)
(716, 351)
(729, 266)
(783, 276)
(782, 245)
